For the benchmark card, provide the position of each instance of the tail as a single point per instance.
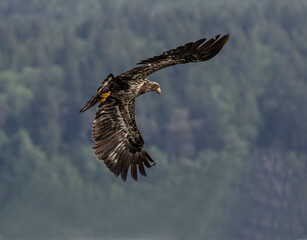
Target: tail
(95, 98)
(90, 103)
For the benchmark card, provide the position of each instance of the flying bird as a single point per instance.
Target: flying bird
(118, 141)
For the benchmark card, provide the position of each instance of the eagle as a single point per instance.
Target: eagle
(118, 141)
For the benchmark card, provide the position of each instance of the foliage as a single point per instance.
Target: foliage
(229, 136)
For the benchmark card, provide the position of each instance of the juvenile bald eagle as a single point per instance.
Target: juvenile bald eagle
(118, 141)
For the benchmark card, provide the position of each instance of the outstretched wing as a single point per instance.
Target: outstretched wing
(198, 51)
(118, 141)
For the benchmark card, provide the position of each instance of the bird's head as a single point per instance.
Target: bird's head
(155, 87)
(149, 86)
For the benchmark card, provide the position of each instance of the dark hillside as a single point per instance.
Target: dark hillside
(229, 135)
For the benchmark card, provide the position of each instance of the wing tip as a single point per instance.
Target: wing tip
(226, 37)
(136, 166)
(199, 44)
(122, 166)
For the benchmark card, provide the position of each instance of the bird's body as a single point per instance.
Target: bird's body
(118, 141)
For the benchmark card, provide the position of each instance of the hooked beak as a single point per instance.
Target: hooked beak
(159, 90)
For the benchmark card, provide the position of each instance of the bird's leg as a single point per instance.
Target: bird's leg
(104, 96)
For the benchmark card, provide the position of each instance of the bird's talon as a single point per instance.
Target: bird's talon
(104, 96)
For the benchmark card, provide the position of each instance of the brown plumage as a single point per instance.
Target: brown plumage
(118, 141)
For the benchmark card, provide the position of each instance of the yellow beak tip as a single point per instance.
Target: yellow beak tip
(159, 90)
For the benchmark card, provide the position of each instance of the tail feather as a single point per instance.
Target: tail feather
(102, 89)
(90, 103)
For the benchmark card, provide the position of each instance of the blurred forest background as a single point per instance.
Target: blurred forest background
(229, 135)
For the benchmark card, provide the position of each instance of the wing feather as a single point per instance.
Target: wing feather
(198, 51)
(140, 165)
(134, 171)
(118, 141)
